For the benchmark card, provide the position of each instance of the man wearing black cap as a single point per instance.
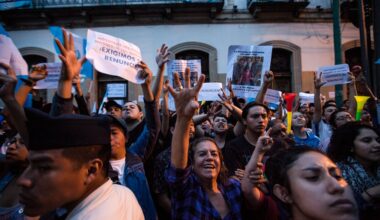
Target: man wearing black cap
(69, 170)
(113, 108)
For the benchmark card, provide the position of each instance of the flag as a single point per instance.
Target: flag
(12, 4)
(80, 49)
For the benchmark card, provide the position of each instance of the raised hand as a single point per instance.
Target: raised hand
(226, 101)
(165, 88)
(145, 73)
(268, 77)
(318, 81)
(229, 87)
(185, 99)
(162, 55)
(72, 65)
(7, 82)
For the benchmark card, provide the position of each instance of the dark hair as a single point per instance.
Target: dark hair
(277, 166)
(81, 155)
(325, 106)
(138, 106)
(251, 105)
(342, 140)
(172, 120)
(333, 117)
(223, 174)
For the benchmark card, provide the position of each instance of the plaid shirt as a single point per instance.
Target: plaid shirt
(190, 201)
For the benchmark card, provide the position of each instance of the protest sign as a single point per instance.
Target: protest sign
(51, 80)
(113, 56)
(179, 66)
(306, 97)
(272, 96)
(246, 67)
(209, 92)
(334, 75)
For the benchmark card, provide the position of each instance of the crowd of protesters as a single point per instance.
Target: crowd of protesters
(226, 159)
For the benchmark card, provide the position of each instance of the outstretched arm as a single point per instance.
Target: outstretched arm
(186, 105)
(36, 73)
(317, 116)
(162, 58)
(62, 101)
(253, 174)
(268, 79)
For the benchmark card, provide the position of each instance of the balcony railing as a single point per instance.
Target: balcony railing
(279, 6)
(94, 3)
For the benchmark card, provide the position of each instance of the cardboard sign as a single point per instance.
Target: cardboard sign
(334, 75)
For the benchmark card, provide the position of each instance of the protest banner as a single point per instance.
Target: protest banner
(334, 75)
(179, 66)
(209, 92)
(51, 80)
(306, 97)
(246, 67)
(113, 56)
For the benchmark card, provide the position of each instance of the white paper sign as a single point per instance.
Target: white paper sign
(306, 97)
(51, 80)
(273, 96)
(116, 90)
(246, 67)
(113, 56)
(334, 75)
(179, 66)
(209, 92)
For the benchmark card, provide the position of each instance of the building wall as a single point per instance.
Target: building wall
(314, 39)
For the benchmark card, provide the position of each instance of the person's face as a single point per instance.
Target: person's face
(304, 108)
(220, 125)
(298, 120)
(278, 131)
(328, 111)
(342, 118)
(114, 111)
(118, 141)
(206, 161)
(192, 130)
(51, 181)
(131, 111)
(367, 146)
(206, 125)
(257, 120)
(17, 151)
(318, 190)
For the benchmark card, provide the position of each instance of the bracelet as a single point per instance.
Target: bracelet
(28, 82)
